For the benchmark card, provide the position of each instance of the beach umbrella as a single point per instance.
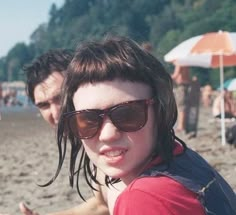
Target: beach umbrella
(210, 50)
(230, 84)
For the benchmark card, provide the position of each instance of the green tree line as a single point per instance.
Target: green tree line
(163, 23)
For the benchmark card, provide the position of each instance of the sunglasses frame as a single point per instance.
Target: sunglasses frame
(107, 112)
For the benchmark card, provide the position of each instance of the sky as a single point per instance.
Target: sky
(19, 19)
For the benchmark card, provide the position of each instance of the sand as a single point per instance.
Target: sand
(28, 156)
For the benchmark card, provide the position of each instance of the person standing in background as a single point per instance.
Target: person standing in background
(181, 77)
(207, 94)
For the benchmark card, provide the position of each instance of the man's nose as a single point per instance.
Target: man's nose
(55, 111)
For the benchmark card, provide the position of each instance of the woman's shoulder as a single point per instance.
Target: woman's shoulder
(156, 183)
(159, 194)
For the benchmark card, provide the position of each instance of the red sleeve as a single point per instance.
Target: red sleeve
(157, 196)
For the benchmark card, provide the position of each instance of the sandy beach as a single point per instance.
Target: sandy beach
(28, 156)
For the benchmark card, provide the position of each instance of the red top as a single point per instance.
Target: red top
(158, 195)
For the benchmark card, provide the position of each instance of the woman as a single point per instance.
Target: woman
(118, 111)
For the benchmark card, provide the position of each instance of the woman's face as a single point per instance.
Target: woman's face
(118, 154)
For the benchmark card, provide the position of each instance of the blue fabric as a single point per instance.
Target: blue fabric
(191, 170)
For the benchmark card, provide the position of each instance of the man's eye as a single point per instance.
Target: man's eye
(43, 106)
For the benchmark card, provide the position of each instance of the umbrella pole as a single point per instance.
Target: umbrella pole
(223, 141)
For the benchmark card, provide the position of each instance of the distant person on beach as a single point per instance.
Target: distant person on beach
(12, 99)
(118, 114)
(192, 109)
(1, 99)
(207, 92)
(1, 95)
(228, 105)
(181, 77)
(45, 77)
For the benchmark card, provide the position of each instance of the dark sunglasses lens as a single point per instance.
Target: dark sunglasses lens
(84, 124)
(130, 117)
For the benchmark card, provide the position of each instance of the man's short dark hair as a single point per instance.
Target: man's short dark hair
(44, 65)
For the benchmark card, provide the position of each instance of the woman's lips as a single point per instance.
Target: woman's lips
(114, 153)
(114, 156)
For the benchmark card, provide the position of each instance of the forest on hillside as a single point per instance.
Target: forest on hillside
(163, 23)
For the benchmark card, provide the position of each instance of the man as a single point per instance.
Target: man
(181, 77)
(44, 81)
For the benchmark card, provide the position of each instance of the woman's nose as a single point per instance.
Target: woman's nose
(108, 131)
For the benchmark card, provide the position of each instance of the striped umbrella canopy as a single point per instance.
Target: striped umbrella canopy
(230, 84)
(205, 50)
(214, 49)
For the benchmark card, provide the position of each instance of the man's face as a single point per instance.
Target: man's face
(47, 97)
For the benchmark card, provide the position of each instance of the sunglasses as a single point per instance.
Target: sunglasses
(128, 116)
